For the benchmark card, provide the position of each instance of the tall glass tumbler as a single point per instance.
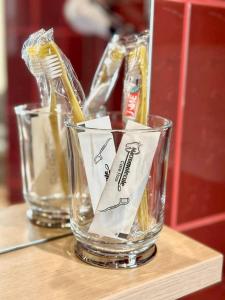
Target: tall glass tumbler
(118, 180)
(42, 137)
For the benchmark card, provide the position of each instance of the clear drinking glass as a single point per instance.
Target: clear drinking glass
(103, 236)
(42, 137)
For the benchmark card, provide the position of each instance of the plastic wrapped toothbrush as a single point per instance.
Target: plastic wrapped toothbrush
(136, 96)
(106, 75)
(59, 77)
(30, 56)
(57, 84)
(144, 111)
(38, 66)
(135, 100)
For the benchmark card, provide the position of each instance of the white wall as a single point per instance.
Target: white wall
(3, 77)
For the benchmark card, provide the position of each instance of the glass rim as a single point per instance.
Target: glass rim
(26, 109)
(168, 124)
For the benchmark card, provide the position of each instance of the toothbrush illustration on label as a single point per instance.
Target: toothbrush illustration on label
(123, 201)
(99, 157)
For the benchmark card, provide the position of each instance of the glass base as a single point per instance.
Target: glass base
(114, 260)
(47, 219)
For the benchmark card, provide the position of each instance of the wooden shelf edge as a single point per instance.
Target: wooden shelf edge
(177, 285)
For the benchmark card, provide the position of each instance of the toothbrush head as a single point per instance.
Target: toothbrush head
(51, 60)
(52, 66)
(55, 68)
(34, 62)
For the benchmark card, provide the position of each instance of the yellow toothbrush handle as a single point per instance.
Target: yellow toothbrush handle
(58, 147)
(77, 113)
(48, 49)
(142, 117)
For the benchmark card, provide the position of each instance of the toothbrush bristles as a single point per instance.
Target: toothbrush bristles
(52, 66)
(34, 62)
(35, 67)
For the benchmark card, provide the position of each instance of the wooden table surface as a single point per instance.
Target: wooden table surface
(51, 271)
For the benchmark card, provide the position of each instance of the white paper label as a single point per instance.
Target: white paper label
(46, 172)
(123, 192)
(98, 153)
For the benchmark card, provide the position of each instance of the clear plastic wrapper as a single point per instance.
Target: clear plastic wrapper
(135, 102)
(106, 75)
(58, 82)
(135, 95)
(30, 56)
(56, 78)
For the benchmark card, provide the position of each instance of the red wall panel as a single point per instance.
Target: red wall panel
(202, 184)
(165, 73)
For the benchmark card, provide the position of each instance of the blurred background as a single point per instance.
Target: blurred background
(188, 86)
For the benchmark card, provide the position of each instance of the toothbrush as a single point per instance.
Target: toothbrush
(143, 214)
(56, 73)
(55, 70)
(142, 117)
(36, 69)
(135, 105)
(106, 75)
